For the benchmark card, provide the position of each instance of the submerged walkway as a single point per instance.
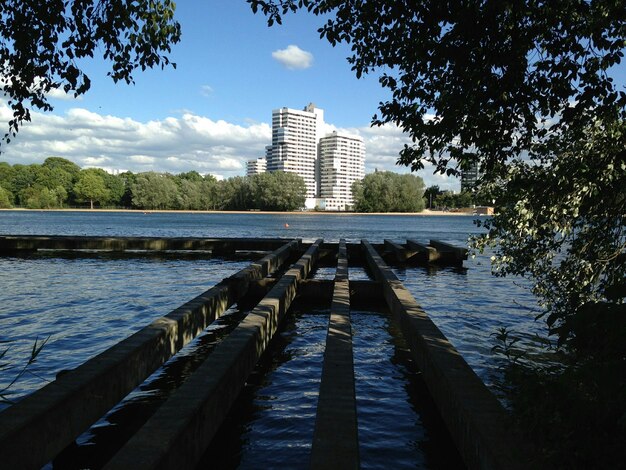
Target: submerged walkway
(35, 430)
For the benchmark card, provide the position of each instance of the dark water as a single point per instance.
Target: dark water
(308, 227)
(85, 305)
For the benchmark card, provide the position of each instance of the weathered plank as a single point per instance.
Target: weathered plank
(178, 433)
(12, 243)
(476, 420)
(335, 440)
(34, 430)
(424, 252)
(460, 253)
(400, 252)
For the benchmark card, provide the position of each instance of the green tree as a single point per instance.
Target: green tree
(277, 191)
(43, 44)
(128, 179)
(7, 180)
(116, 186)
(209, 193)
(516, 87)
(40, 197)
(154, 191)
(430, 195)
(235, 194)
(6, 199)
(385, 191)
(189, 194)
(91, 187)
(24, 177)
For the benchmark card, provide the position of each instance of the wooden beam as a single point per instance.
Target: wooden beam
(424, 252)
(38, 427)
(335, 440)
(12, 243)
(400, 252)
(478, 424)
(178, 433)
(460, 253)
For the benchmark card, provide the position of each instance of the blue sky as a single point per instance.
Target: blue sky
(213, 112)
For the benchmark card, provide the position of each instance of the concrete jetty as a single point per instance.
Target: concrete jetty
(36, 429)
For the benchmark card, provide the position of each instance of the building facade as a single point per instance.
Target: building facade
(470, 177)
(294, 149)
(256, 166)
(341, 163)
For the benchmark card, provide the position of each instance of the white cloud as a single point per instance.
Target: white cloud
(186, 143)
(59, 94)
(293, 57)
(206, 90)
(382, 149)
(178, 144)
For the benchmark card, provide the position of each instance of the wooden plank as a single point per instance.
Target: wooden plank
(12, 243)
(335, 440)
(424, 252)
(178, 433)
(38, 427)
(401, 253)
(479, 425)
(460, 253)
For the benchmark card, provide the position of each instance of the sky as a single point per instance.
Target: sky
(213, 112)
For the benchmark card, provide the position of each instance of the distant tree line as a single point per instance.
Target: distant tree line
(438, 199)
(385, 191)
(59, 183)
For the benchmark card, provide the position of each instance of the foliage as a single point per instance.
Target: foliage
(385, 191)
(58, 182)
(43, 44)
(277, 191)
(575, 413)
(91, 187)
(521, 88)
(564, 223)
(154, 191)
(5, 199)
(38, 197)
(449, 200)
(430, 194)
(6, 367)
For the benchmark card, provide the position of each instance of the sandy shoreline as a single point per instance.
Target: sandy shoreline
(295, 213)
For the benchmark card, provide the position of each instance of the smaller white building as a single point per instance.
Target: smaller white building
(254, 167)
(341, 163)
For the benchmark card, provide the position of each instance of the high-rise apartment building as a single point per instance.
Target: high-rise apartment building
(470, 177)
(294, 149)
(341, 163)
(256, 166)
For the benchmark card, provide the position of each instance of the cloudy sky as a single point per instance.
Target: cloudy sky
(213, 112)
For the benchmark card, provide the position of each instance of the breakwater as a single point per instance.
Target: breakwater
(472, 414)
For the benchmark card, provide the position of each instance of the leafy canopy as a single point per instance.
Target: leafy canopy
(385, 191)
(43, 42)
(524, 89)
(479, 80)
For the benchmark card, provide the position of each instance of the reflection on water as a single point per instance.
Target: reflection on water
(398, 424)
(271, 423)
(96, 446)
(87, 305)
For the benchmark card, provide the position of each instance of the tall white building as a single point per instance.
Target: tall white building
(341, 163)
(294, 149)
(256, 166)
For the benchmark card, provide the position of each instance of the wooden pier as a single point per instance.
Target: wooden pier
(39, 427)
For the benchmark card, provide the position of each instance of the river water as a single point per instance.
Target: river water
(86, 304)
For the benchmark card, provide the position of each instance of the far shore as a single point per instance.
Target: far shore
(426, 212)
